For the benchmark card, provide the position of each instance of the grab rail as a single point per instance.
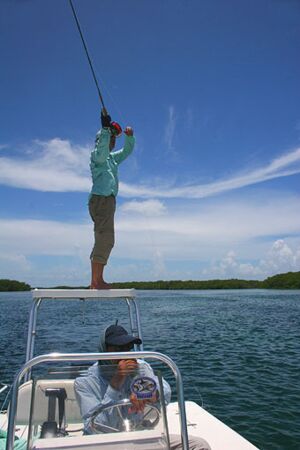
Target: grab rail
(77, 357)
(39, 295)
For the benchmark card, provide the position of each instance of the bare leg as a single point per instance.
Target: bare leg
(97, 281)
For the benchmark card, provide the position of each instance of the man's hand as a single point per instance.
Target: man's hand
(105, 118)
(138, 405)
(128, 131)
(125, 367)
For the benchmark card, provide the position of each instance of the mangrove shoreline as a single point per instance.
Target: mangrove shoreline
(289, 280)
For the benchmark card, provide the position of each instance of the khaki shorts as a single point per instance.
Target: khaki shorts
(102, 211)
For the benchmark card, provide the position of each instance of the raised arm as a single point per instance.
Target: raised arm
(101, 150)
(122, 154)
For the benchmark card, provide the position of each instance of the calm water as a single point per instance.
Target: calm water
(239, 351)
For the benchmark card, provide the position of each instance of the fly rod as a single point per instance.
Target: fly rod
(87, 52)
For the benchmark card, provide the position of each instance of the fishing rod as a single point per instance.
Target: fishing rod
(87, 53)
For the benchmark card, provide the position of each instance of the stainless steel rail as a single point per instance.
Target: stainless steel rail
(77, 357)
(135, 323)
(32, 332)
(134, 317)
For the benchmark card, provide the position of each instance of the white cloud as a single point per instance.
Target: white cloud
(146, 208)
(180, 233)
(38, 237)
(285, 165)
(170, 128)
(55, 166)
(236, 235)
(197, 225)
(159, 269)
(280, 258)
(14, 262)
(59, 166)
(230, 267)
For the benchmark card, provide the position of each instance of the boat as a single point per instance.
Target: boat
(44, 413)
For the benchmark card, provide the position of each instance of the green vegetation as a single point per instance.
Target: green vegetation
(190, 284)
(290, 280)
(13, 285)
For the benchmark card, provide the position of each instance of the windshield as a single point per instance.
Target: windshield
(92, 404)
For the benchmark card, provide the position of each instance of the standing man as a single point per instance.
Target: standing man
(102, 202)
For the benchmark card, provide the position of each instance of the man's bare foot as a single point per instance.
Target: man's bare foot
(102, 285)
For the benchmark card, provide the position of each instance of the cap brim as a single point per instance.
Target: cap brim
(124, 339)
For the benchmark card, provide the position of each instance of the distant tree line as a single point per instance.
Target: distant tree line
(13, 285)
(290, 280)
(190, 284)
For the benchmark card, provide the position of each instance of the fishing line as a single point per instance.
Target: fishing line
(86, 52)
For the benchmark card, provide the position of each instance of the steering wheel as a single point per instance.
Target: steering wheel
(141, 421)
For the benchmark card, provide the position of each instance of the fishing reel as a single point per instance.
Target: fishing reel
(115, 129)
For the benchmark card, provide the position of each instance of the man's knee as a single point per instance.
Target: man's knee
(104, 243)
(98, 259)
(195, 443)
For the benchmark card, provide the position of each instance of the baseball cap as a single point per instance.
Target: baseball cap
(117, 335)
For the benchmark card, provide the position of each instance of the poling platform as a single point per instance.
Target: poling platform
(83, 293)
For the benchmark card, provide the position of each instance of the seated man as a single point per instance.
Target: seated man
(110, 381)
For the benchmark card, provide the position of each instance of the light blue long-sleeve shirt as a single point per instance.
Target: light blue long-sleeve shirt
(94, 390)
(104, 164)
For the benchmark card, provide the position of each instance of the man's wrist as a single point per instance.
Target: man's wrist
(117, 381)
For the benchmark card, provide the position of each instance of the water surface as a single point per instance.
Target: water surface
(239, 350)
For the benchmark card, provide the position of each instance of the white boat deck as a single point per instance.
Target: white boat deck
(93, 294)
(200, 423)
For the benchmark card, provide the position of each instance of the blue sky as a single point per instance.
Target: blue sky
(211, 89)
